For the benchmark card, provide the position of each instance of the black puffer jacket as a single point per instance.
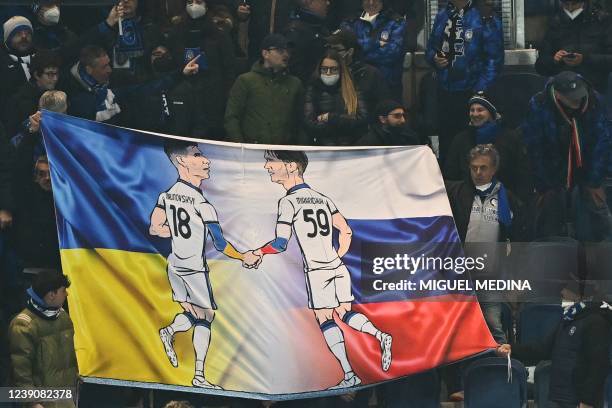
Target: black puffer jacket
(341, 129)
(216, 78)
(513, 168)
(589, 34)
(305, 35)
(579, 353)
(372, 84)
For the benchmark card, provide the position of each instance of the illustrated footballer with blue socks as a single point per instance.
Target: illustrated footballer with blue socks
(313, 217)
(184, 215)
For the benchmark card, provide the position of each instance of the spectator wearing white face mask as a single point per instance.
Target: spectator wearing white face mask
(199, 35)
(49, 32)
(335, 112)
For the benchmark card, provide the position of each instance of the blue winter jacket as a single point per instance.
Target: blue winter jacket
(483, 54)
(389, 29)
(543, 133)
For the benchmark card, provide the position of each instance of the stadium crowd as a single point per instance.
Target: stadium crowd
(320, 73)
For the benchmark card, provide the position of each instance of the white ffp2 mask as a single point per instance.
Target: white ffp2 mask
(196, 10)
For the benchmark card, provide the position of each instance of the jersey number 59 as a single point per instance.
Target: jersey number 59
(320, 223)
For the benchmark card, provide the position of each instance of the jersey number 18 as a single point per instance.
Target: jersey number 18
(180, 221)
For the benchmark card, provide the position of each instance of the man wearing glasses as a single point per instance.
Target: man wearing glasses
(265, 104)
(24, 102)
(391, 127)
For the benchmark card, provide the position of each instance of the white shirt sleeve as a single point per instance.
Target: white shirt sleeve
(332, 207)
(161, 201)
(207, 212)
(286, 211)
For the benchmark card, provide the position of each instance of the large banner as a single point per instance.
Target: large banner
(259, 271)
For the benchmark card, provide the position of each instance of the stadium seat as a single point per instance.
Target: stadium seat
(542, 383)
(417, 391)
(537, 321)
(486, 384)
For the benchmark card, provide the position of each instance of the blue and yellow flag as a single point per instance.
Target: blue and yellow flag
(267, 271)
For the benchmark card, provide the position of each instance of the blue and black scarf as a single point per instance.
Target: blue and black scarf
(38, 306)
(504, 214)
(106, 107)
(570, 313)
(130, 44)
(453, 43)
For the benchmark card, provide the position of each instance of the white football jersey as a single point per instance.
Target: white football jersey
(187, 212)
(310, 214)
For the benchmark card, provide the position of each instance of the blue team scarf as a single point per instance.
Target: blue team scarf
(487, 133)
(36, 303)
(503, 214)
(570, 313)
(131, 43)
(99, 90)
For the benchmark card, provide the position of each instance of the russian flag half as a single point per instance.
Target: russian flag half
(356, 274)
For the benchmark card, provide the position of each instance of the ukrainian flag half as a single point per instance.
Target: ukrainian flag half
(265, 341)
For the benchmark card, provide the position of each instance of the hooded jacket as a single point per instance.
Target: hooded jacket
(264, 107)
(42, 352)
(579, 353)
(546, 135)
(482, 58)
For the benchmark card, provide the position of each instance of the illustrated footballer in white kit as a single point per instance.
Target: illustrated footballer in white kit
(183, 214)
(313, 216)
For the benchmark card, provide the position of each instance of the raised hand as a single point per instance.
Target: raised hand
(115, 15)
(192, 66)
(34, 123)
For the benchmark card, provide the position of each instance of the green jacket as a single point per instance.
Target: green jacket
(42, 353)
(265, 107)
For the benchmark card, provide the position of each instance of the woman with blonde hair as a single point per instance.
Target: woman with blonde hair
(335, 111)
